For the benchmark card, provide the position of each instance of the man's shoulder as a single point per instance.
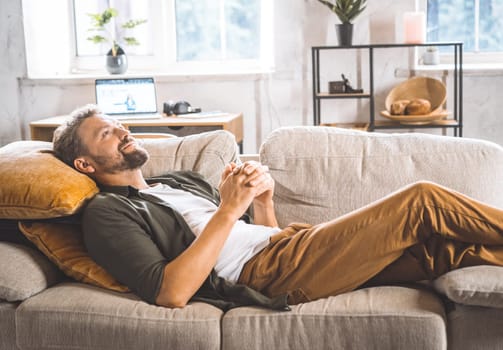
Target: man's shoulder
(106, 200)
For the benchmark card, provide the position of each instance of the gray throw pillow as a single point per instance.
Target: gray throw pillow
(24, 272)
(477, 286)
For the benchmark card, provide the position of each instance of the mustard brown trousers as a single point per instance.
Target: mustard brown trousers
(417, 233)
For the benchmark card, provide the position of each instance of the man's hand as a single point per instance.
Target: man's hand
(257, 177)
(239, 185)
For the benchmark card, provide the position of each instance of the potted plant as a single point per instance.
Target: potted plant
(431, 56)
(347, 11)
(104, 23)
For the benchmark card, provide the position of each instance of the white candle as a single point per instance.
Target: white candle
(414, 26)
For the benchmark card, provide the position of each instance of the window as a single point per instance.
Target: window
(180, 36)
(217, 30)
(477, 23)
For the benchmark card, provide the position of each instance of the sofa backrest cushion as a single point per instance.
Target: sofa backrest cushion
(206, 153)
(323, 172)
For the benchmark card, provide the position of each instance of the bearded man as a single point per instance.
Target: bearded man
(175, 238)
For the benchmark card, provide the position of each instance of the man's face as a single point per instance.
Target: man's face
(110, 147)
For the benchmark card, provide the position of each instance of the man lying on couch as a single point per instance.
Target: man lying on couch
(174, 238)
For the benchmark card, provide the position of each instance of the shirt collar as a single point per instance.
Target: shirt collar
(126, 191)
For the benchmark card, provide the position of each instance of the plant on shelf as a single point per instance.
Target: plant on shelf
(346, 11)
(104, 23)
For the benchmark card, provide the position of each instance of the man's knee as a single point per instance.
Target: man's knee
(423, 187)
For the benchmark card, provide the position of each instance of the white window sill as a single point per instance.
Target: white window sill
(469, 69)
(83, 78)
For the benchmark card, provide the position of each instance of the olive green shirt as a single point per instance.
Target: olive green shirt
(133, 235)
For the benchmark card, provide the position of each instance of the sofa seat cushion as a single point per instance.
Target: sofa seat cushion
(474, 327)
(78, 316)
(322, 172)
(475, 285)
(24, 272)
(8, 326)
(373, 318)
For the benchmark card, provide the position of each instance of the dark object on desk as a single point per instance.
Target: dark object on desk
(342, 87)
(180, 107)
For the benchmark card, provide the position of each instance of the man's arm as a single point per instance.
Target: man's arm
(264, 213)
(184, 275)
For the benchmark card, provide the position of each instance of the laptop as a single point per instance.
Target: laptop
(131, 98)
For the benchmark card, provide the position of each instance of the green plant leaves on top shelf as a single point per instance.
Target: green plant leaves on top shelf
(346, 10)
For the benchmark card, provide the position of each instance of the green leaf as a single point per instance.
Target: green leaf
(327, 3)
(133, 23)
(100, 23)
(97, 39)
(131, 41)
(346, 10)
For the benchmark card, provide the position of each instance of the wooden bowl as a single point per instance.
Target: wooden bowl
(417, 119)
(430, 89)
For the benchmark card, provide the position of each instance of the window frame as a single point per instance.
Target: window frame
(481, 58)
(163, 59)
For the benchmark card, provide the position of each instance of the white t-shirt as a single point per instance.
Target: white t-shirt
(244, 241)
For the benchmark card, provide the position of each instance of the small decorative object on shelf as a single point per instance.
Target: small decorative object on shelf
(414, 27)
(346, 10)
(431, 56)
(104, 22)
(342, 87)
(353, 126)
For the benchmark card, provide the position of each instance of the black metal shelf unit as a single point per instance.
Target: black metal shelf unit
(456, 122)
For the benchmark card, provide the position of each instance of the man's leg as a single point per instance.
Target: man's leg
(419, 232)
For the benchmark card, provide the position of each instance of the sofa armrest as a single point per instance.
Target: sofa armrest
(25, 272)
(475, 285)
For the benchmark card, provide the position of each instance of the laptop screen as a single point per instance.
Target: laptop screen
(126, 96)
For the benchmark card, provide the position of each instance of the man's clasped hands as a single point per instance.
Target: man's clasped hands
(244, 184)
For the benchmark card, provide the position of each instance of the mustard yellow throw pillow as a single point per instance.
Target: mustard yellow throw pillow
(34, 184)
(63, 245)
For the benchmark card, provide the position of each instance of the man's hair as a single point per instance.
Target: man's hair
(66, 142)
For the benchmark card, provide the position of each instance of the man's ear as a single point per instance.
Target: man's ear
(83, 165)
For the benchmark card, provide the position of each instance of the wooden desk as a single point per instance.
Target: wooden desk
(43, 129)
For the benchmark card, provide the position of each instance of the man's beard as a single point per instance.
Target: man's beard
(129, 161)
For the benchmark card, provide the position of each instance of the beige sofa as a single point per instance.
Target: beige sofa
(320, 173)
